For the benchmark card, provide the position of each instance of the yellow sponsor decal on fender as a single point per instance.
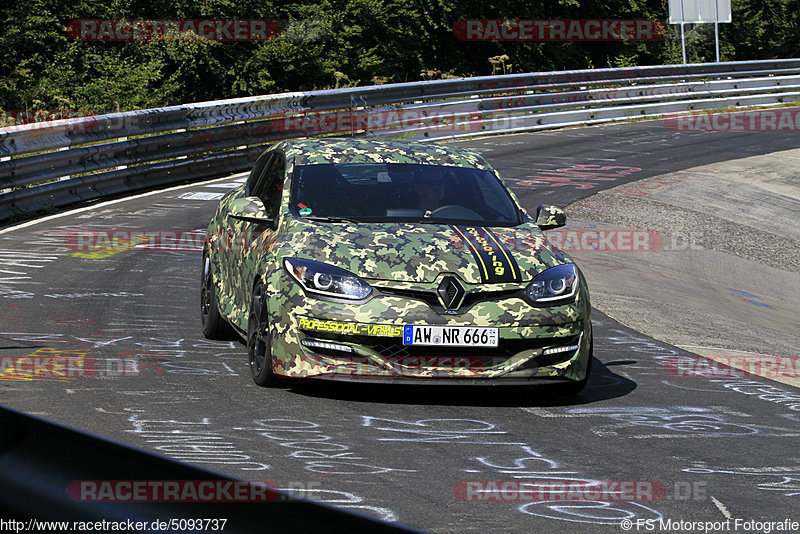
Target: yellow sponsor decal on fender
(352, 329)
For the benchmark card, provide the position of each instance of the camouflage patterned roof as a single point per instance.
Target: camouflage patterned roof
(360, 150)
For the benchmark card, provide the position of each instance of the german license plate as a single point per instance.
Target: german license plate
(450, 336)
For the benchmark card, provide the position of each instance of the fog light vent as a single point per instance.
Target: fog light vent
(558, 350)
(314, 344)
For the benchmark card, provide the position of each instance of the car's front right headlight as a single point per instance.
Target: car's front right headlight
(329, 280)
(557, 285)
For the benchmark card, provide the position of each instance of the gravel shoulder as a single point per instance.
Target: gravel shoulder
(707, 259)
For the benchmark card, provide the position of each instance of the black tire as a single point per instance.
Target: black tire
(214, 325)
(259, 346)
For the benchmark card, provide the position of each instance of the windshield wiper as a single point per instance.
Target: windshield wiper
(451, 221)
(331, 219)
(430, 220)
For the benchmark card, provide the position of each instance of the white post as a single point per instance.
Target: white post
(683, 37)
(683, 44)
(716, 26)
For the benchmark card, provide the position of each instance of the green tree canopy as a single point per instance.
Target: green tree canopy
(332, 43)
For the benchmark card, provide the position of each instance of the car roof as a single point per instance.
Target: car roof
(361, 150)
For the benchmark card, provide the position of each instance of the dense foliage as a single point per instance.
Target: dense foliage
(331, 43)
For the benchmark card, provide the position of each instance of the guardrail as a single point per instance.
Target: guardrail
(63, 162)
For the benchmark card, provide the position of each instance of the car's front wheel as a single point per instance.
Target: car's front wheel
(259, 350)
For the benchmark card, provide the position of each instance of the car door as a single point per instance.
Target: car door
(266, 183)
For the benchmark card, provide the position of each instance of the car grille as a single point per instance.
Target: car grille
(431, 298)
(428, 297)
(393, 348)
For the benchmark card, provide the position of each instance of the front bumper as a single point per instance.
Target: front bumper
(363, 341)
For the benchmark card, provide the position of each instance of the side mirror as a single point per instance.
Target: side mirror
(249, 209)
(549, 217)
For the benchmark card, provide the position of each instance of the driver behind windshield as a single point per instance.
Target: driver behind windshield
(430, 189)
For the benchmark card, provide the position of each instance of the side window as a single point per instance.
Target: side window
(257, 172)
(269, 186)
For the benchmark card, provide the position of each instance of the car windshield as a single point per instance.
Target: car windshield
(401, 192)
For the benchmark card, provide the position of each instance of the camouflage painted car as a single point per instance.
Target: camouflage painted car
(358, 259)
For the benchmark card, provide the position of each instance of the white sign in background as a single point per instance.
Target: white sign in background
(699, 11)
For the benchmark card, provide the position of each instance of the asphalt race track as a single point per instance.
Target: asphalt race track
(690, 449)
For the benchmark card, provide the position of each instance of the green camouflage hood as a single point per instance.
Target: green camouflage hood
(407, 252)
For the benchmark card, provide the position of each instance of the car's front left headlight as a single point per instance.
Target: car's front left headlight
(556, 285)
(328, 280)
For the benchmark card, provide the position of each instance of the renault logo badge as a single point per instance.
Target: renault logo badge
(451, 293)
